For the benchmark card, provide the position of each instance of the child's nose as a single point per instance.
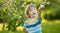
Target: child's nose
(34, 12)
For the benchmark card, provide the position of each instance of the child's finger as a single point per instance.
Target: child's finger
(41, 7)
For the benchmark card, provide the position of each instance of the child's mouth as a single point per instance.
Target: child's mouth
(34, 13)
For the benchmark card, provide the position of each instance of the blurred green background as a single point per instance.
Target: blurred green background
(12, 15)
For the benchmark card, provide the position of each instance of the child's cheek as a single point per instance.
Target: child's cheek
(30, 12)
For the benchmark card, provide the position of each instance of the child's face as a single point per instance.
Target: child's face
(32, 12)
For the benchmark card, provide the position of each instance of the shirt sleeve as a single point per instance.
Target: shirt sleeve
(25, 25)
(39, 19)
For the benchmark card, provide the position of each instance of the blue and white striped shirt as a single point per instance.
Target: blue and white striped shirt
(33, 26)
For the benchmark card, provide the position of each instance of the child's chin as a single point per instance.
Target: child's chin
(33, 15)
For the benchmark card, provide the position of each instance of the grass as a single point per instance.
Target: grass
(11, 32)
(51, 27)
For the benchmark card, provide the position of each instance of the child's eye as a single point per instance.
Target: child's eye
(31, 10)
(34, 9)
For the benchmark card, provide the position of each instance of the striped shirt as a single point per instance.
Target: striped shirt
(33, 26)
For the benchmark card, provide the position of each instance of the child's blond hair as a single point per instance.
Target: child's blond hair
(28, 9)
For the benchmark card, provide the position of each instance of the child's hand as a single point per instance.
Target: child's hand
(41, 7)
(25, 30)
